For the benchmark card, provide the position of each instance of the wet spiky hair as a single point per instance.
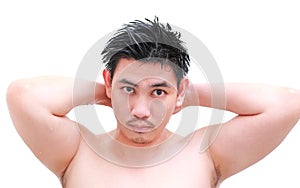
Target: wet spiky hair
(146, 41)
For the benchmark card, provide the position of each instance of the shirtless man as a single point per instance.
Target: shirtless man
(144, 93)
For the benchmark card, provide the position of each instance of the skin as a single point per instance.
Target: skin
(142, 94)
(38, 108)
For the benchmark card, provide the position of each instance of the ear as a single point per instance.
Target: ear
(184, 83)
(107, 82)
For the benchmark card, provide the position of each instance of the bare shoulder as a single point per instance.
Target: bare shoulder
(195, 167)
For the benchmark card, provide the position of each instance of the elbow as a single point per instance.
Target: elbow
(13, 92)
(288, 103)
(295, 101)
(16, 93)
(280, 100)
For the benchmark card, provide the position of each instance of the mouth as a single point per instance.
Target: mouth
(140, 127)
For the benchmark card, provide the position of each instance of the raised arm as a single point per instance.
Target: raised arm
(38, 108)
(265, 115)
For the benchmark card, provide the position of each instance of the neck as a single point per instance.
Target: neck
(126, 153)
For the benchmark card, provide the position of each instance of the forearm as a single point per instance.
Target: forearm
(55, 94)
(247, 99)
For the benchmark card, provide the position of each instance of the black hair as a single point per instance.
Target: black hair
(146, 41)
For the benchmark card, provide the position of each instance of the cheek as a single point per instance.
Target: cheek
(120, 105)
(162, 110)
(158, 110)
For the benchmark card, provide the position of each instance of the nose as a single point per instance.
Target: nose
(140, 108)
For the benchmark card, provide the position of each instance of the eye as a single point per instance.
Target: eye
(159, 92)
(128, 90)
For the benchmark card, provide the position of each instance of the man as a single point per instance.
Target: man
(145, 83)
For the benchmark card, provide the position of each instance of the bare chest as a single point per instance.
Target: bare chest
(186, 169)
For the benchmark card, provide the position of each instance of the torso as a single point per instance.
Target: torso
(189, 168)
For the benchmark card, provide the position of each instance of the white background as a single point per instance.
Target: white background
(252, 41)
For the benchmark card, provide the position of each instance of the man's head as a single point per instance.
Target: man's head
(144, 77)
(147, 41)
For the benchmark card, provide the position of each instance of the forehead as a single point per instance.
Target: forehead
(137, 71)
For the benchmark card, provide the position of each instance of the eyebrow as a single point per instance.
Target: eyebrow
(159, 84)
(125, 81)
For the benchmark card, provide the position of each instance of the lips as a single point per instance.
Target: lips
(141, 127)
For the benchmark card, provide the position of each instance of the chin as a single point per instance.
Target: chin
(139, 138)
(141, 141)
